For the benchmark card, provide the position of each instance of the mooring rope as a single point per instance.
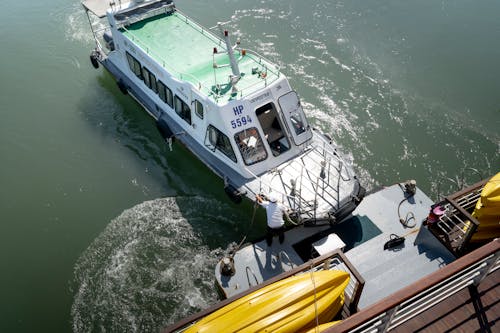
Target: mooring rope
(249, 228)
(315, 299)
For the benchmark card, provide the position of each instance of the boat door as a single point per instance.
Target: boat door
(199, 109)
(295, 118)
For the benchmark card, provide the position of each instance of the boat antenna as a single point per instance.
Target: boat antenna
(230, 52)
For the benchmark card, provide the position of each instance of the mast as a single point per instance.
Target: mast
(230, 52)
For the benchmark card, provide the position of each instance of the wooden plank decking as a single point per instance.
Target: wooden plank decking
(470, 310)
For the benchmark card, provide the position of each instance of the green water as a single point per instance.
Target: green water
(102, 228)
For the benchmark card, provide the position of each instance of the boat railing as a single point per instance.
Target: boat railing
(217, 40)
(98, 28)
(282, 194)
(296, 194)
(456, 226)
(136, 16)
(183, 76)
(402, 306)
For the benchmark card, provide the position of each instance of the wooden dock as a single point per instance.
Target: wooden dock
(470, 310)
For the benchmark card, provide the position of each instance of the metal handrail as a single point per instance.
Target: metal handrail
(298, 197)
(457, 225)
(253, 55)
(216, 39)
(181, 75)
(407, 303)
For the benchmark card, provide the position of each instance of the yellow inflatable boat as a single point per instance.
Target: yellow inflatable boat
(487, 211)
(289, 305)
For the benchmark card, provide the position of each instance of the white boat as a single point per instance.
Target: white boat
(231, 107)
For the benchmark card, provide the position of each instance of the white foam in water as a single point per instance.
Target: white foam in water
(147, 269)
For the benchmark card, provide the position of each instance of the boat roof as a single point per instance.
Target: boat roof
(362, 238)
(186, 50)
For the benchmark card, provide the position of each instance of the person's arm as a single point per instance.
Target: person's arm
(261, 201)
(284, 209)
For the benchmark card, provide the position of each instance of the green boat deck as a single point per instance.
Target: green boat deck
(185, 50)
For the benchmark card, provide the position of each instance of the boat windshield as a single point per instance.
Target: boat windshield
(295, 117)
(251, 146)
(273, 129)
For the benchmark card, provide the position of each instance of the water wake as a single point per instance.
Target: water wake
(146, 270)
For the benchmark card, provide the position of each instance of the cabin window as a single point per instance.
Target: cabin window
(273, 129)
(161, 91)
(165, 94)
(182, 109)
(198, 108)
(149, 79)
(215, 139)
(135, 66)
(251, 146)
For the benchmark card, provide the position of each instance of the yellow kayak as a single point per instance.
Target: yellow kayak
(289, 305)
(482, 236)
(490, 194)
(322, 327)
(489, 210)
(489, 221)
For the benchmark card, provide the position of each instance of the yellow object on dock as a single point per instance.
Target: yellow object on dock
(289, 305)
(491, 191)
(487, 211)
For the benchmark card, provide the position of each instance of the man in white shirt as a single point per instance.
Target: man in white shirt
(275, 222)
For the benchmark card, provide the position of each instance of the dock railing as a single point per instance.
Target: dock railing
(456, 226)
(422, 295)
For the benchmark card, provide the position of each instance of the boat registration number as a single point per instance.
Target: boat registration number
(241, 121)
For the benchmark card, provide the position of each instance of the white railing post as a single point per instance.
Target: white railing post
(387, 319)
(492, 264)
